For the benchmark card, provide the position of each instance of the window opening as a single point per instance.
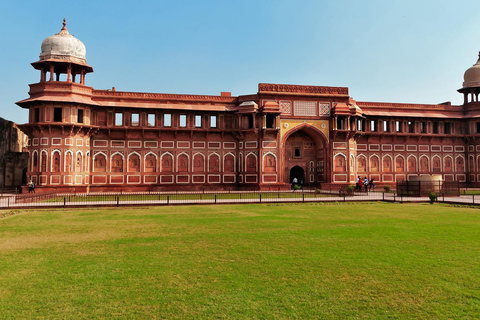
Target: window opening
(183, 120)
(167, 120)
(119, 119)
(151, 120)
(57, 114)
(135, 119)
(80, 116)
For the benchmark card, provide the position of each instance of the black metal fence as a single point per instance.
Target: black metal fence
(180, 198)
(63, 200)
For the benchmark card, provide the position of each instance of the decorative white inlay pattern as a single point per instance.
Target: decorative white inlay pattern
(286, 107)
(323, 109)
(304, 108)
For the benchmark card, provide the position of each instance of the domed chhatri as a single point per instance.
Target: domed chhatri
(63, 47)
(472, 75)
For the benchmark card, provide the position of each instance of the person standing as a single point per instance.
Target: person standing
(365, 182)
(371, 184)
(31, 186)
(360, 184)
(357, 185)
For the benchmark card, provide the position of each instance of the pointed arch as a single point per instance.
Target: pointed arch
(79, 161)
(361, 163)
(229, 163)
(214, 162)
(340, 162)
(251, 162)
(436, 164)
(198, 162)
(166, 160)
(117, 160)
(399, 163)
(448, 164)
(270, 162)
(133, 160)
(424, 164)
(150, 162)
(87, 161)
(56, 160)
(183, 160)
(68, 161)
(34, 166)
(412, 164)
(374, 163)
(99, 162)
(471, 164)
(43, 160)
(387, 163)
(460, 163)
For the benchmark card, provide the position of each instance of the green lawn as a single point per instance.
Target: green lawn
(332, 261)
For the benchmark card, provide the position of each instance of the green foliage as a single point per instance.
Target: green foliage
(297, 187)
(432, 196)
(282, 261)
(350, 188)
(386, 188)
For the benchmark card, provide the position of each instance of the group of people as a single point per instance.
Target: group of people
(368, 184)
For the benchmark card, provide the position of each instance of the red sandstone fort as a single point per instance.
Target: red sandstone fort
(85, 139)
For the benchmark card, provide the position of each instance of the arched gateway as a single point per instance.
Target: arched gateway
(304, 156)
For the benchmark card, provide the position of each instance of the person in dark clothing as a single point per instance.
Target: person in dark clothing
(371, 184)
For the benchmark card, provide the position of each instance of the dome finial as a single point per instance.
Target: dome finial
(65, 25)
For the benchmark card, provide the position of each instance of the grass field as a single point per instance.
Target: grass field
(335, 261)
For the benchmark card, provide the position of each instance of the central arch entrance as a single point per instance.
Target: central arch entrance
(299, 173)
(305, 156)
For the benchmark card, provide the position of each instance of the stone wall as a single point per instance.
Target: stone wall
(13, 159)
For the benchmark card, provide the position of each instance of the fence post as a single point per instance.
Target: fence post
(383, 196)
(344, 197)
(215, 198)
(394, 197)
(303, 196)
(64, 200)
(168, 200)
(473, 198)
(260, 198)
(118, 200)
(8, 202)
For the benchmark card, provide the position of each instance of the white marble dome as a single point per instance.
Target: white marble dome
(63, 46)
(471, 78)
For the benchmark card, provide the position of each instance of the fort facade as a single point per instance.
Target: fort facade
(85, 139)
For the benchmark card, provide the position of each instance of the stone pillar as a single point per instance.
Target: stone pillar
(43, 74)
(82, 77)
(52, 71)
(69, 73)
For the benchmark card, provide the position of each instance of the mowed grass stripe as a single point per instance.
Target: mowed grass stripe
(378, 260)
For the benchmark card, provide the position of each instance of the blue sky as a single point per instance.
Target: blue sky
(393, 51)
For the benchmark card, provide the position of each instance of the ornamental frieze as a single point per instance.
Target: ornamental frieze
(288, 88)
(145, 95)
